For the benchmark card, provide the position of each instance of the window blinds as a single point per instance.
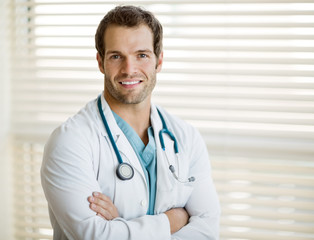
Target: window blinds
(240, 71)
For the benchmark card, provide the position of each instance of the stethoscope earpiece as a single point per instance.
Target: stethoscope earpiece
(173, 171)
(191, 179)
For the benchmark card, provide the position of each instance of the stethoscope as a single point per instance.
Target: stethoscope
(124, 170)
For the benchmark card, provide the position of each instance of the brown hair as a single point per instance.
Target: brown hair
(129, 16)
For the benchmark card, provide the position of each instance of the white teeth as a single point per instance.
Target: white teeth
(130, 83)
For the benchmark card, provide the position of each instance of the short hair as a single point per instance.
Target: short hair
(129, 16)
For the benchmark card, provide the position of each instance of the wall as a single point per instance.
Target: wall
(5, 168)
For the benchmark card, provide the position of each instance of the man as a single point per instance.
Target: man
(154, 195)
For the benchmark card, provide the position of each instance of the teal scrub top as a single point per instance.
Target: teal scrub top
(146, 155)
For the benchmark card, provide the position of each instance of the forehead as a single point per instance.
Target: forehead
(121, 38)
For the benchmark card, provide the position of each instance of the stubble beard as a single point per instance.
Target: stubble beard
(130, 97)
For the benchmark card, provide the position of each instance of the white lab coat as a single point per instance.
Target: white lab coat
(79, 159)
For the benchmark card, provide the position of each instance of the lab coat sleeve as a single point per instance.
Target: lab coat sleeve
(68, 179)
(203, 205)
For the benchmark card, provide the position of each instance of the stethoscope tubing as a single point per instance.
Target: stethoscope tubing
(114, 145)
(125, 171)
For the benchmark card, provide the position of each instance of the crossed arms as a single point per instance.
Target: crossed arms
(104, 207)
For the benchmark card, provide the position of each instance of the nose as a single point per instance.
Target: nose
(129, 66)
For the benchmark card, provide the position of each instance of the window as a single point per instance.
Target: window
(241, 71)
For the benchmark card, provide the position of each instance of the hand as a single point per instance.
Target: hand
(103, 206)
(178, 218)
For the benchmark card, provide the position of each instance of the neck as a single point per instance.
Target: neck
(136, 115)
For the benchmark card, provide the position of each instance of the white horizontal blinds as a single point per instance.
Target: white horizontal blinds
(240, 71)
(59, 71)
(31, 210)
(245, 79)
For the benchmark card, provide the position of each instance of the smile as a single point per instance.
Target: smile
(130, 83)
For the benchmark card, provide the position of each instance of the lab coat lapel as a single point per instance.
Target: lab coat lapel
(126, 150)
(164, 182)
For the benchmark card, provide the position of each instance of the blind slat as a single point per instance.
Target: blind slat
(187, 13)
(268, 202)
(274, 225)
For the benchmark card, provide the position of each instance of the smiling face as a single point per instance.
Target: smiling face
(130, 65)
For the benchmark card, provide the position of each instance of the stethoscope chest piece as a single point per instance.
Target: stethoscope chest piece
(125, 171)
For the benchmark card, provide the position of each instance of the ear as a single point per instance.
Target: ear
(159, 62)
(100, 63)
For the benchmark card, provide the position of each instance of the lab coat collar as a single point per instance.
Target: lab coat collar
(114, 128)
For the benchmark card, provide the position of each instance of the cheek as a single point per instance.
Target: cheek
(149, 67)
(110, 68)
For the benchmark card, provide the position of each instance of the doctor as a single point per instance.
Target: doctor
(123, 168)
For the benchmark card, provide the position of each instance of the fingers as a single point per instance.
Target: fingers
(101, 196)
(102, 212)
(103, 206)
(100, 200)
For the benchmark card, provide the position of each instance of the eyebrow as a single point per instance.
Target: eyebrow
(112, 52)
(138, 51)
(144, 51)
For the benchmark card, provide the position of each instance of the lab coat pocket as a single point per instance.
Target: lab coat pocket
(178, 196)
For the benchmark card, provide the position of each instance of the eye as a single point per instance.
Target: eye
(115, 56)
(143, 55)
